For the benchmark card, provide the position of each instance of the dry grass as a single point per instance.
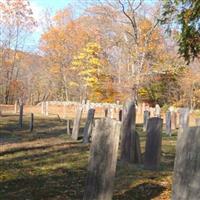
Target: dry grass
(48, 165)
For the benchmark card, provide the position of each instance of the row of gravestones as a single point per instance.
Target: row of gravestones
(103, 153)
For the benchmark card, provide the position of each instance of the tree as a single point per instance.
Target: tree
(15, 23)
(185, 14)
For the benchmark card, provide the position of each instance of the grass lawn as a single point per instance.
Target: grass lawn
(47, 165)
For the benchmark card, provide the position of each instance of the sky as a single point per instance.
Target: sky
(39, 6)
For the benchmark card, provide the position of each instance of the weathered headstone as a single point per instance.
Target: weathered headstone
(186, 179)
(128, 133)
(76, 124)
(31, 122)
(168, 123)
(21, 110)
(69, 127)
(103, 160)
(146, 118)
(88, 126)
(197, 121)
(157, 111)
(153, 144)
(173, 120)
(15, 106)
(183, 117)
(120, 115)
(106, 112)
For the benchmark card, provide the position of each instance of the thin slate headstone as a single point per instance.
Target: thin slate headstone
(173, 120)
(128, 131)
(168, 123)
(183, 117)
(31, 122)
(88, 126)
(186, 178)
(76, 124)
(21, 111)
(69, 126)
(120, 115)
(153, 144)
(106, 112)
(197, 121)
(146, 118)
(103, 160)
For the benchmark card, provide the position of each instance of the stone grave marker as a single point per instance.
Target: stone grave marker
(186, 178)
(129, 139)
(77, 121)
(88, 126)
(168, 123)
(153, 144)
(103, 160)
(183, 117)
(146, 118)
(197, 121)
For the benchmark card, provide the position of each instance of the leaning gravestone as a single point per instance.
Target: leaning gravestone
(130, 146)
(103, 160)
(186, 179)
(168, 123)
(76, 125)
(153, 144)
(88, 126)
(146, 118)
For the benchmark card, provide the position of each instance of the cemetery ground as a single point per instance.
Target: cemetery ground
(47, 165)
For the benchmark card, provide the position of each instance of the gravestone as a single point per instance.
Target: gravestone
(146, 118)
(77, 121)
(106, 112)
(168, 123)
(153, 144)
(157, 111)
(186, 178)
(197, 121)
(173, 120)
(21, 111)
(88, 125)
(69, 122)
(120, 115)
(103, 160)
(31, 122)
(128, 133)
(183, 117)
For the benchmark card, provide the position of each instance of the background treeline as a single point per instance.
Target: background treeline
(110, 50)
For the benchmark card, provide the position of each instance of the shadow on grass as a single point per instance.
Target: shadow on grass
(144, 191)
(60, 184)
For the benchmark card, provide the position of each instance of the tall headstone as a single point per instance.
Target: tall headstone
(31, 122)
(103, 160)
(197, 121)
(15, 108)
(106, 112)
(173, 120)
(157, 111)
(168, 123)
(76, 125)
(128, 133)
(88, 126)
(21, 111)
(186, 178)
(146, 118)
(153, 144)
(183, 118)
